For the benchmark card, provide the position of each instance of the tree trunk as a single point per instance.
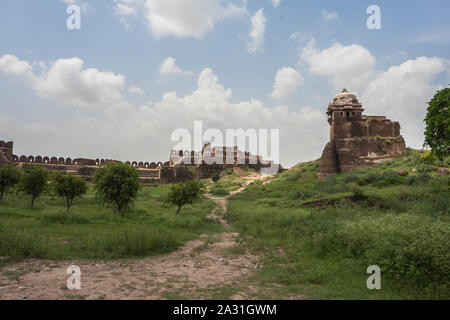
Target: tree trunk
(1, 195)
(32, 203)
(178, 211)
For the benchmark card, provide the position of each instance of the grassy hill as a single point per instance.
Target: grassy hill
(319, 236)
(313, 238)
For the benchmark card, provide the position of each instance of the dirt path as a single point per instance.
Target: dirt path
(192, 272)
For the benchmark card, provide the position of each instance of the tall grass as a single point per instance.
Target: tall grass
(90, 231)
(371, 216)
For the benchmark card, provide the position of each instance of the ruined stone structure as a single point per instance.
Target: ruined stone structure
(229, 157)
(182, 165)
(357, 140)
(210, 160)
(6, 152)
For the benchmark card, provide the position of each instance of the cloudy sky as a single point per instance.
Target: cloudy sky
(139, 69)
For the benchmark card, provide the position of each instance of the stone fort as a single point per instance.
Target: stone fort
(357, 140)
(182, 165)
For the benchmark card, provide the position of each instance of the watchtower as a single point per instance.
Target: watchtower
(344, 115)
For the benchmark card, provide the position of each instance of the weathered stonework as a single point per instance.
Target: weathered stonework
(357, 140)
(182, 165)
(6, 150)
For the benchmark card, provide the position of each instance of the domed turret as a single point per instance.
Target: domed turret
(345, 98)
(345, 106)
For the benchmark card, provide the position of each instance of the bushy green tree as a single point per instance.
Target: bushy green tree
(69, 187)
(185, 193)
(9, 177)
(117, 184)
(437, 131)
(34, 181)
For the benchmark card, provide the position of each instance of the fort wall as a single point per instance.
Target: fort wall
(182, 165)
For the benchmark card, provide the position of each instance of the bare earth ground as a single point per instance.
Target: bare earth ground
(196, 271)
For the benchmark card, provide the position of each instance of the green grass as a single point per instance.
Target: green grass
(91, 232)
(229, 181)
(319, 236)
(219, 191)
(316, 237)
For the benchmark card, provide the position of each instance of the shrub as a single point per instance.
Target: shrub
(221, 192)
(22, 244)
(34, 181)
(441, 204)
(294, 175)
(428, 157)
(303, 194)
(351, 178)
(127, 243)
(371, 177)
(69, 187)
(420, 178)
(357, 193)
(117, 184)
(406, 247)
(411, 179)
(331, 185)
(185, 193)
(424, 168)
(389, 178)
(9, 177)
(273, 203)
(410, 195)
(61, 218)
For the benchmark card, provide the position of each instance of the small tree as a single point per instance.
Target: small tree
(34, 181)
(69, 187)
(9, 177)
(185, 193)
(437, 131)
(117, 184)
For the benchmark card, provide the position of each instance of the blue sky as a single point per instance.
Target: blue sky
(101, 91)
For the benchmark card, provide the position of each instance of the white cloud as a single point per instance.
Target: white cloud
(275, 3)
(135, 90)
(124, 10)
(144, 133)
(183, 19)
(12, 65)
(180, 19)
(329, 16)
(287, 82)
(402, 93)
(67, 81)
(258, 31)
(211, 103)
(346, 66)
(168, 66)
(296, 36)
